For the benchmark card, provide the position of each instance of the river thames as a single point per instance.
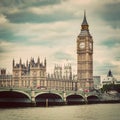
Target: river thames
(76, 112)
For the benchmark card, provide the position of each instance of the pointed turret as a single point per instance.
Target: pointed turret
(84, 27)
(84, 23)
(38, 61)
(20, 61)
(27, 63)
(109, 74)
(13, 62)
(45, 62)
(84, 20)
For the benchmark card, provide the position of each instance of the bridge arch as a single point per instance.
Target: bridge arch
(74, 94)
(22, 92)
(17, 91)
(75, 99)
(49, 92)
(48, 98)
(93, 99)
(14, 98)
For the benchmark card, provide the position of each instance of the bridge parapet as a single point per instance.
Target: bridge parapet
(5, 88)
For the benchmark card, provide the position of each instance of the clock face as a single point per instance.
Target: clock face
(90, 45)
(82, 45)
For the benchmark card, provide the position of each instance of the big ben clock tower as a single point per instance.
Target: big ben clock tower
(85, 57)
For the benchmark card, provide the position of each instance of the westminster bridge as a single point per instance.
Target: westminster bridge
(45, 97)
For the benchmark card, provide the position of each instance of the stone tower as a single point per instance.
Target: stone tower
(85, 57)
(58, 72)
(68, 72)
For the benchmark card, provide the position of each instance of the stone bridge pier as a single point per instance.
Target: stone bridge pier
(33, 102)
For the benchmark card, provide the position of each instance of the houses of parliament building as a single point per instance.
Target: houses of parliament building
(33, 73)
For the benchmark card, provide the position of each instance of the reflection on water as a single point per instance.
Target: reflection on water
(77, 112)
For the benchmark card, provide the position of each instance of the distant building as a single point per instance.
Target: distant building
(110, 79)
(5, 79)
(31, 74)
(99, 81)
(3, 71)
(57, 72)
(61, 78)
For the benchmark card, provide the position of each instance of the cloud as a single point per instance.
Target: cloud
(112, 42)
(62, 55)
(28, 17)
(104, 68)
(41, 11)
(2, 50)
(109, 12)
(26, 3)
(106, 56)
(7, 35)
(21, 11)
(16, 6)
(3, 19)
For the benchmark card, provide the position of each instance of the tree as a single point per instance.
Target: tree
(109, 87)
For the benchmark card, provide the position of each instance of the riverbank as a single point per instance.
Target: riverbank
(14, 105)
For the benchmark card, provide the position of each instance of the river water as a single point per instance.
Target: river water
(76, 112)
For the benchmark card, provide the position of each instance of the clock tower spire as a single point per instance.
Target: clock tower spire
(85, 57)
(84, 25)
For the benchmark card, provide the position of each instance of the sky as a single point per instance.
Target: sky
(49, 29)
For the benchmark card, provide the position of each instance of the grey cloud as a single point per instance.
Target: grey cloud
(103, 68)
(8, 35)
(62, 55)
(21, 15)
(27, 17)
(9, 7)
(117, 58)
(2, 50)
(111, 42)
(110, 12)
(9, 3)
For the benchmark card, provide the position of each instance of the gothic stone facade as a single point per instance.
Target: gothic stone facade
(5, 79)
(61, 78)
(31, 74)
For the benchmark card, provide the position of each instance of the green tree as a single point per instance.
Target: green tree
(110, 87)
